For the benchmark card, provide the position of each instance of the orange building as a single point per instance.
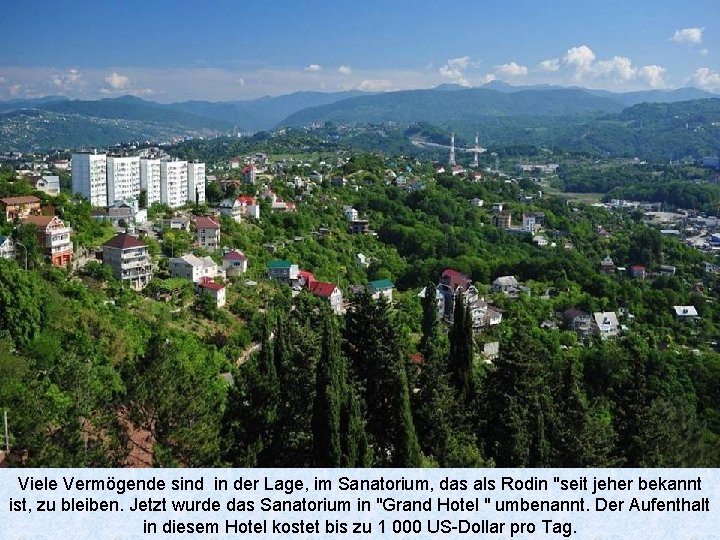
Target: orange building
(54, 236)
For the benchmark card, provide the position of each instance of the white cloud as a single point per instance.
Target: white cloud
(15, 90)
(581, 58)
(118, 82)
(345, 70)
(549, 65)
(703, 52)
(619, 67)
(454, 69)
(693, 36)
(375, 85)
(618, 70)
(512, 70)
(706, 79)
(487, 78)
(314, 68)
(2, 80)
(67, 80)
(653, 75)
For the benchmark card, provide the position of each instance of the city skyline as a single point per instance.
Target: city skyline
(224, 51)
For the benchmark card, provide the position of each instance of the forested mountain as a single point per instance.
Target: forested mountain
(575, 119)
(132, 108)
(262, 113)
(442, 107)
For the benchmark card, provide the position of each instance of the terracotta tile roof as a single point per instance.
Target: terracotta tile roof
(123, 241)
(204, 222)
(20, 200)
(455, 279)
(39, 221)
(208, 283)
(235, 255)
(323, 289)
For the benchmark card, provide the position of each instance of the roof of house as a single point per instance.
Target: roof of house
(607, 261)
(195, 261)
(309, 277)
(208, 283)
(3, 239)
(637, 267)
(685, 311)
(381, 285)
(228, 203)
(20, 200)
(606, 318)
(235, 255)
(506, 281)
(40, 221)
(204, 222)
(123, 241)
(246, 199)
(323, 288)
(277, 263)
(455, 279)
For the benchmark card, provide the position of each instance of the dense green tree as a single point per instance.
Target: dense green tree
(460, 360)
(329, 394)
(377, 356)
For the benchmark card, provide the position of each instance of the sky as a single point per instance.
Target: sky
(221, 50)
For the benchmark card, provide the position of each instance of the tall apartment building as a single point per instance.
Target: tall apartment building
(150, 179)
(89, 178)
(129, 259)
(123, 178)
(196, 182)
(173, 183)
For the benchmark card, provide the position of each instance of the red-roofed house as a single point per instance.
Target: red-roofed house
(249, 206)
(235, 263)
(454, 280)
(306, 279)
(207, 286)
(249, 174)
(129, 259)
(20, 207)
(54, 236)
(207, 233)
(637, 271)
(331, 292)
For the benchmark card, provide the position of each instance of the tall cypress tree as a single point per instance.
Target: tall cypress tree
(518, 405)
(434, 398)
(429, 324)
(356, 450)
(328, 399)
(377, 355)
(406, 446)
(460, 360)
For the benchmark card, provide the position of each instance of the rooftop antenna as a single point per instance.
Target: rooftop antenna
(451, 160)
(476, 150)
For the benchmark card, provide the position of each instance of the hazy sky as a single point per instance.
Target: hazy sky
(223, 50)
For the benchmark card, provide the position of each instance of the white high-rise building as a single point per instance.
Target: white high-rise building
(196, 182)
(150, 179)
(89, 178)
(173, 183)
(123, 178)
